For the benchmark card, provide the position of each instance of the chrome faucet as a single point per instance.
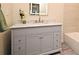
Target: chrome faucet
(39, 20)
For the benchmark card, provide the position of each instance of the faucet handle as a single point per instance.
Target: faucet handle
(42, 21)
(36, 21)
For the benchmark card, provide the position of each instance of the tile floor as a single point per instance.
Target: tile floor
(66, 50)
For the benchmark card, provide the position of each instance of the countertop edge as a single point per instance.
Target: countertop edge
(37, 25)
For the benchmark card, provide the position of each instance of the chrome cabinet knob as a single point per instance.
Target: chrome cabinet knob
(57, 40)
(19, 40)
(56, 34)
(41, 37)
(19, 48)
(56, 45)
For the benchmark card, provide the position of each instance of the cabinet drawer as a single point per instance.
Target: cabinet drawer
(57, 35)
(57, 40)
(19, 46)
(39, 29)
(19, 49)
(18, 32)
(57, 29)
(18, 42)
(56, 44)
(43, 29)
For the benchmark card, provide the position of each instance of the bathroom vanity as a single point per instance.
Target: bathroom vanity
(34, 39)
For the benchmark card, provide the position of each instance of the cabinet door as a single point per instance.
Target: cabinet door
(19, 45)
(33, 44)
(47, 42)
(57, 40)
(18, 42)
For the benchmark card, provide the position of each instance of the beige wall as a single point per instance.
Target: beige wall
(11, 12)
(5, 45)
(71, 18)
(7, 10)
(55, 12)
(78, 20)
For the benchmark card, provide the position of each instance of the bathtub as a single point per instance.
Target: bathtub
(72, 39)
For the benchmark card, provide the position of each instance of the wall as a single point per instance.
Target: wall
(7, 10)
(71, 12)
(55, 12)
(11, 12)
(78, 19)
(66, 13)
(5, 43)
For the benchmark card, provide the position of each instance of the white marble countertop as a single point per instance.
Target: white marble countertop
(34, 25)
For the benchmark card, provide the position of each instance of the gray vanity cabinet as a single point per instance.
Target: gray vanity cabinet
(36, 40)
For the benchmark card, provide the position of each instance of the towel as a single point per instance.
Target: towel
(3, 25)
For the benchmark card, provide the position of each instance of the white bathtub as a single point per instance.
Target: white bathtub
(72, 39)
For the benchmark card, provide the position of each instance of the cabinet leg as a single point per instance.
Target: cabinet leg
(55, 53)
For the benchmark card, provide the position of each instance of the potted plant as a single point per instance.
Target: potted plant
(22, 16)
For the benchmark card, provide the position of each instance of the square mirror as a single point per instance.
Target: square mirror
(38, 9)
